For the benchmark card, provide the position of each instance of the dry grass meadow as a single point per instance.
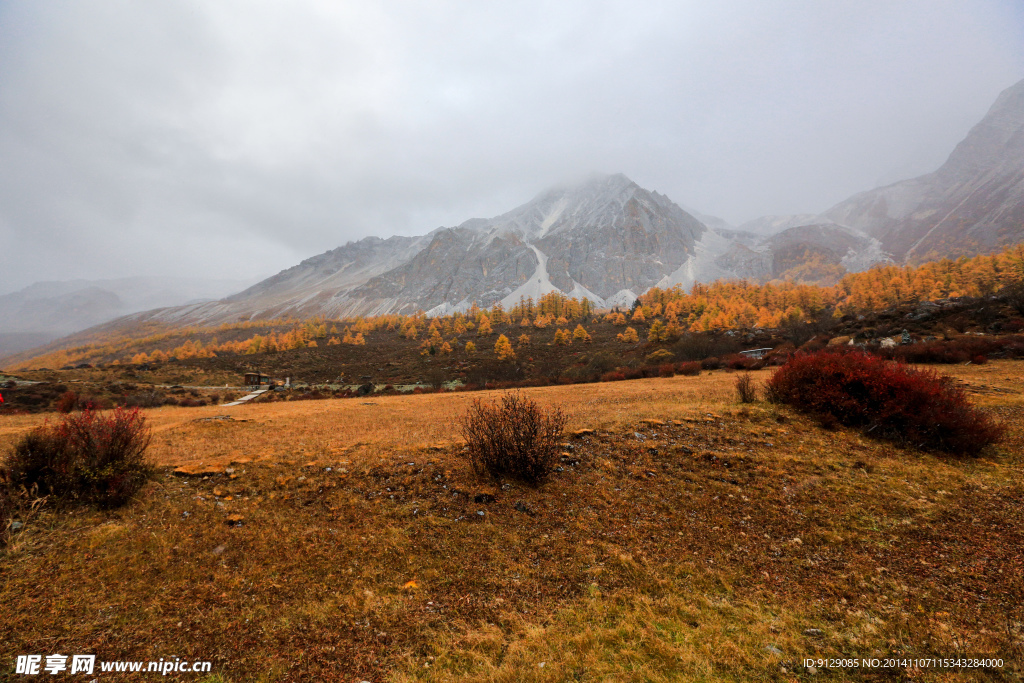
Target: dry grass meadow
(686, 537)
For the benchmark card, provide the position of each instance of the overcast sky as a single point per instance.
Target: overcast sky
(235, 138)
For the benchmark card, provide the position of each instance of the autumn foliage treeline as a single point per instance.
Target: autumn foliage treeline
(740, 304)
(661, 315)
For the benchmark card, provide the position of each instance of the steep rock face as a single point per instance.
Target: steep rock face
(629, 239)
(973, 204)
(458, 266)
(745, 261)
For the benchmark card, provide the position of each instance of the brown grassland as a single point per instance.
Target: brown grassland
(686, 537)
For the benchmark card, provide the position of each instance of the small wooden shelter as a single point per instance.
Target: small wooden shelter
(255, 379)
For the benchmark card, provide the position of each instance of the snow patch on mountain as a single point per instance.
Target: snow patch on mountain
(623, 298)
(553, 215)
(536, 286)
(447, 308)
(580, 293)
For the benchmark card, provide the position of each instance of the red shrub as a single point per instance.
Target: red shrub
(980, 359)
(613, 376)
(667, 370)
(633, 373)
(67, 402)
(88, 458)
(737, 362)
(959, 350)
(890, 400)
(690, 369)
(711, 363)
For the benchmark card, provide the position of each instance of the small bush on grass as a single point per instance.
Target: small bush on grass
(515, 438)
(745, 388)
(88, 458)
(889, 400)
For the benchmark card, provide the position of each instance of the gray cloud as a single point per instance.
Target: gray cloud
(236, 138)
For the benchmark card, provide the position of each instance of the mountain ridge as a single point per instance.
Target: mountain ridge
(973, 203)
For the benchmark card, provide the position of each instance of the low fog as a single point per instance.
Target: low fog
(233, 139)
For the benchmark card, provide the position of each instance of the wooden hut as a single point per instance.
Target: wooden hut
(255, 379)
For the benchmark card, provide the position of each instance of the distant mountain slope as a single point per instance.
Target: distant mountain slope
(973, 204)
(48, 310)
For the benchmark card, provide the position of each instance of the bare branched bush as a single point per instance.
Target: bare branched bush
(515, 438)
(745, 388)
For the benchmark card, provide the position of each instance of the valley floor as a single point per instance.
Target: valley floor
(686, 537)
